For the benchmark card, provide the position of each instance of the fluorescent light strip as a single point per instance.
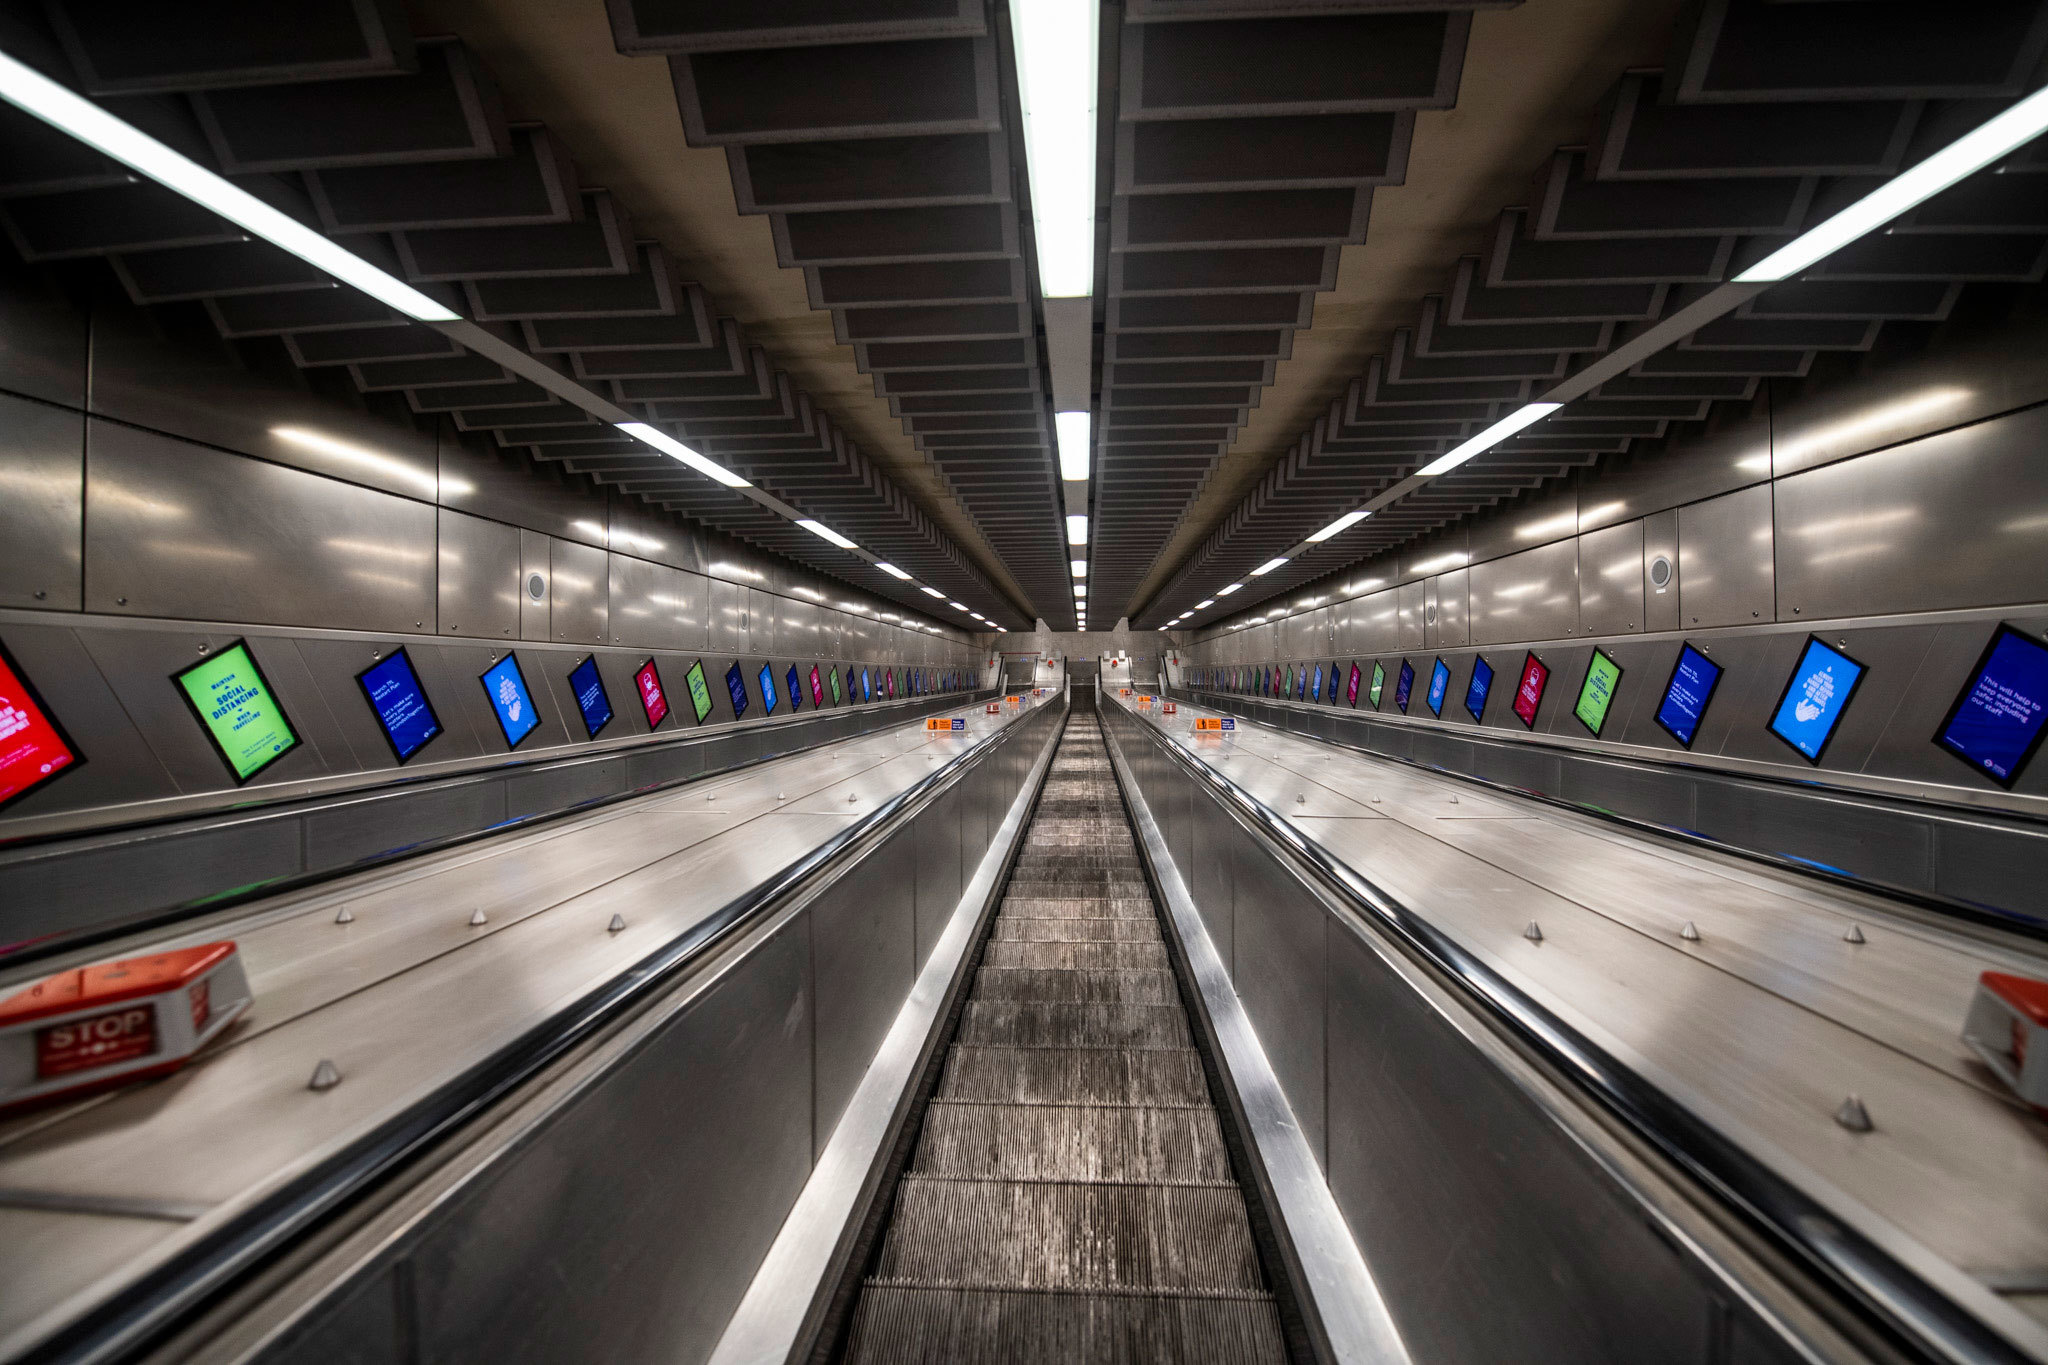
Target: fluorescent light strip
(892, 570)
(1080, 567)
(956, 606)
(1526, 415)
(676, 450)
(1072, 430)
(34, 93)
(1225, 592)
(1269, 566)
(930, 592)
(1203, 606)
(824, 532)
(1077, 529)
(1340, 525)
(1971, 152)
(1056, 83)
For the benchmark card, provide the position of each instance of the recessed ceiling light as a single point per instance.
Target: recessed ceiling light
(824, 532)
(1056, 42)
(1080, 567)
(1077, 529)
(1269, 566)
(1225, 592)
(1201, 606)
(1343, 523)
(929, 592)
(892, 570)
(674, 449)
(1071, 429)
(1526, 415)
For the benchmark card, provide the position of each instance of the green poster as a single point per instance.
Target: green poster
(700, 691)
(1379, 680)
(833, 674)
(236, 707)
(1596, 693)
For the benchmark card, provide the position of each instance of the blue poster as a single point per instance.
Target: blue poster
(1998, 719)
(1439, 686)
(736, 685)
(591, 698)
(1476, 690)
(1815, 697)
(796, 688)
(767, 677)
(505, 685)
(1692, 686)
(400, 704)
(867, 686)
(1315, 692)
(1404, 686)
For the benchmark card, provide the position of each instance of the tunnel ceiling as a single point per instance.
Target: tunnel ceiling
(1241, 146)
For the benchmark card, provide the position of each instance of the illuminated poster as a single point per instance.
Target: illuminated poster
(1301, 684)
(867, 686)
(833, 676)
(1336, 672)
(794, 685)
(818, 689)
(1476, 690)
(1439, 687)
(1404, 686)
(1596, 693)
(698, 684)
(1529, 691)
(1379, 681)
(1693, 680)
(33, 748)
(736, 687)
(238, 711)
(1814, 698)
(766, 678)
(1352, 693)
(654, 701)
(511, 702)
(400, 704)
(889, 682)
(1315, 691)
(2000, 715)
(591, 698)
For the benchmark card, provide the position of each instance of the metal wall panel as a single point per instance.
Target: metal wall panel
(1533, 595)
(640, 605)
(42, 340)
(1376, 623)
(1210, 881)
(760, 621)
(505, 486)
(1692, 464)
(940, 879)
(630, 1227)
(42, 505)
(1460, 1192)
(1897, 849)
(1725, 575)
(1411, 598)
(1453, 613)
(578, 576)
(1955, 520)
(864, 956)
(728, 633)
(1279, 944)
(650, 533)
(1611, 580)
(339, 835)
(536, 576)
(479, 581)
(178, 530)
(1431, 635)
(1547, 517)
(1660, 541)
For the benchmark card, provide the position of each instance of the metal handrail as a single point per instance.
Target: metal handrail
(1890, 1295)
(140, 1312)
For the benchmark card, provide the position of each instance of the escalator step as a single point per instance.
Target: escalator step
(922, 1325)
(1073, 929)
(1044, 1235)
(1006, 1023)
(1140, 987)
(1074, 1076)
(1071, 1142)
(1075, 955)
(1081, 907)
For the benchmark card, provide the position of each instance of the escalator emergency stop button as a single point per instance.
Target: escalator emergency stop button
(112, 1022)
(2007, 1028)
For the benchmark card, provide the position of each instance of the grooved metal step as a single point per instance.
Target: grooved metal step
(1072, 1142)
(1073, 929)
(1038, 1075)
(906, 1324)
(1071, 954)
(1137, 987)
(1005, 1023)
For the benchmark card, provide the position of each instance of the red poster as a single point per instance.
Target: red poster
(1529, 692)
(651, 697)
(32, 749)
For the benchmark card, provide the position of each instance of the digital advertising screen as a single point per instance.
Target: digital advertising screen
(818, 689)
(834, 677)
(1352, 692)
(699, 687)
(1596, 693)
(736, 685)
(1315, 690)
(1404, 686)
(33, 748)
(1379, 682)
(511, 702)
(653, 700)
(2000, 715)
(591, 699)
(1287, 685)
(867, 686)
(1693, 680)
(400, 704)
(1815, 697)
(1336, 674)
(889, 682)
(793, 684)
(766, 677)
(238, 711)
(1476, 690)
(1439, 687)
(1529, 691)
(1301, 684)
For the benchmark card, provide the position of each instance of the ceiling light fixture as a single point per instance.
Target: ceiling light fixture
(31, 91)
(1077, 529)
(1269, 566)
(1079, 566)
(824, 532)
(1203, 606)
(1072, 430)
(674, 449)
(892, 570)
(1225, 592)
(1056, 83)
(1971, 152)
(1340, 525)
(1526, 415)
(956, 606)
(929, 592)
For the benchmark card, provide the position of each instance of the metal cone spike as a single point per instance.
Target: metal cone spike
(1855, 935)
(477, 917)
(1853, 1116)
(1689, 933)
(325, 1076)
(344, 916)
(1534, 933)
(618, 923)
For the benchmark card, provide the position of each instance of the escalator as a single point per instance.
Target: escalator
(1070, 1193)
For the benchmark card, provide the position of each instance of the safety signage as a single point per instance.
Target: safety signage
(942, 723)
(1216, 723)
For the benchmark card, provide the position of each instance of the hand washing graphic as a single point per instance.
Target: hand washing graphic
(1820, 688)
(508, 697)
